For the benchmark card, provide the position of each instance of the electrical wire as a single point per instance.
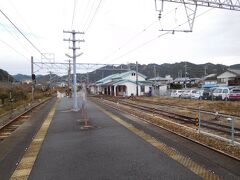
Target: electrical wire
(22, 19)
(17, 40)
(85, 11)
(138, 34)
(15, 50)
(151, 40)
(74, 9)
(96, 10)
(20, 32)
(89, 15)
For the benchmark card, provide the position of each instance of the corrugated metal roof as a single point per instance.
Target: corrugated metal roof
(117, 76)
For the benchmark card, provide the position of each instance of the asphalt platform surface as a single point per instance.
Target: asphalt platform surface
(106, 151)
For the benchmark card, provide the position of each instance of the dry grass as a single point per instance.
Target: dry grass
(228, 107)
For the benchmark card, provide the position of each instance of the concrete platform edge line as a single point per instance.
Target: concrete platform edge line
(24, 167)
(172, 153)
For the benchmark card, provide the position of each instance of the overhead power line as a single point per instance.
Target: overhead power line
(74, 9)
(14, 49)
(22, 19)
(138, 34)
(153, 39)
(17, 40)
(89, 15)
(20, 32)
(96, 10)
(84, 12)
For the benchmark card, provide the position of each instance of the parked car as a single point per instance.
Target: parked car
(176, 93)
(221, 93)
(187, 94)
(197, 94)
(207, 93)
(234, 94)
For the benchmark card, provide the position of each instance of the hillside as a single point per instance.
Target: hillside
(5, 77)
(21, 77)
(175, 70)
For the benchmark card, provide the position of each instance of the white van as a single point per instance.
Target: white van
(176, 93)
(221, 93)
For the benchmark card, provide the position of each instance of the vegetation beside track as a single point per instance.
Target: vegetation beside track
(227, 107)
(13, 96)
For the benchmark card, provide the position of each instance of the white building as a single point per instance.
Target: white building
(230, 77)
(123, 84)
(161, 85)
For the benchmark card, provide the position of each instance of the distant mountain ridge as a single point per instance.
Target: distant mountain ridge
(21, 77)
(175, 70)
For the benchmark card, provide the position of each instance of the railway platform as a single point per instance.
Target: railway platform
(110, 148)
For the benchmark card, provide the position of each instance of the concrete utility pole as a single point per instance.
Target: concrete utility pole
(155, 74)
(185, 83)
(74, 48)
(33, 78)
(69, 77)
(136, 78)
(205, 70)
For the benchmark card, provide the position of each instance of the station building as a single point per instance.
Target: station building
(124, 84)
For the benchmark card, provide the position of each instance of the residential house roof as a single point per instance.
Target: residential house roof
(161, 79)
(181, 79)
(235, 71)
(210, 77)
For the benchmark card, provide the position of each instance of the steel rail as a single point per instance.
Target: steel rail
(23, 113)
(210, 125)
(190, 139)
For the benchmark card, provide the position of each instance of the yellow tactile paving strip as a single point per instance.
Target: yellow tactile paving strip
(24, 168)
(174, 154)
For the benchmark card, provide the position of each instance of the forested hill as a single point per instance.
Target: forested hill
(175, 70)
(5, 77)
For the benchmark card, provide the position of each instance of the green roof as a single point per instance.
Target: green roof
(117, 76)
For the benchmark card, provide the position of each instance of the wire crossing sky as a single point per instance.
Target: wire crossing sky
(115, 32)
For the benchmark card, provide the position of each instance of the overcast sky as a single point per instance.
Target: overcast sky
(120, 32)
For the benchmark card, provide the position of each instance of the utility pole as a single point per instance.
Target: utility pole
(155, 85)
(205, 70)
(136, 78)
(33, 78)
(74, 48)
(185, 83)
(69, 77)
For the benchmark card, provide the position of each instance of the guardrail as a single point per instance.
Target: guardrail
(224, 121)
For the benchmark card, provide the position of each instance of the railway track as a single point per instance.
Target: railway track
(11, 125)
(213, 126)
(184, 108)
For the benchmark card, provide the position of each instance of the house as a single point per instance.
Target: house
(181, 80)
(210, 81)
(162, 80)
(123, 84)
(195, 80)
(161, 85)
(231, 77)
